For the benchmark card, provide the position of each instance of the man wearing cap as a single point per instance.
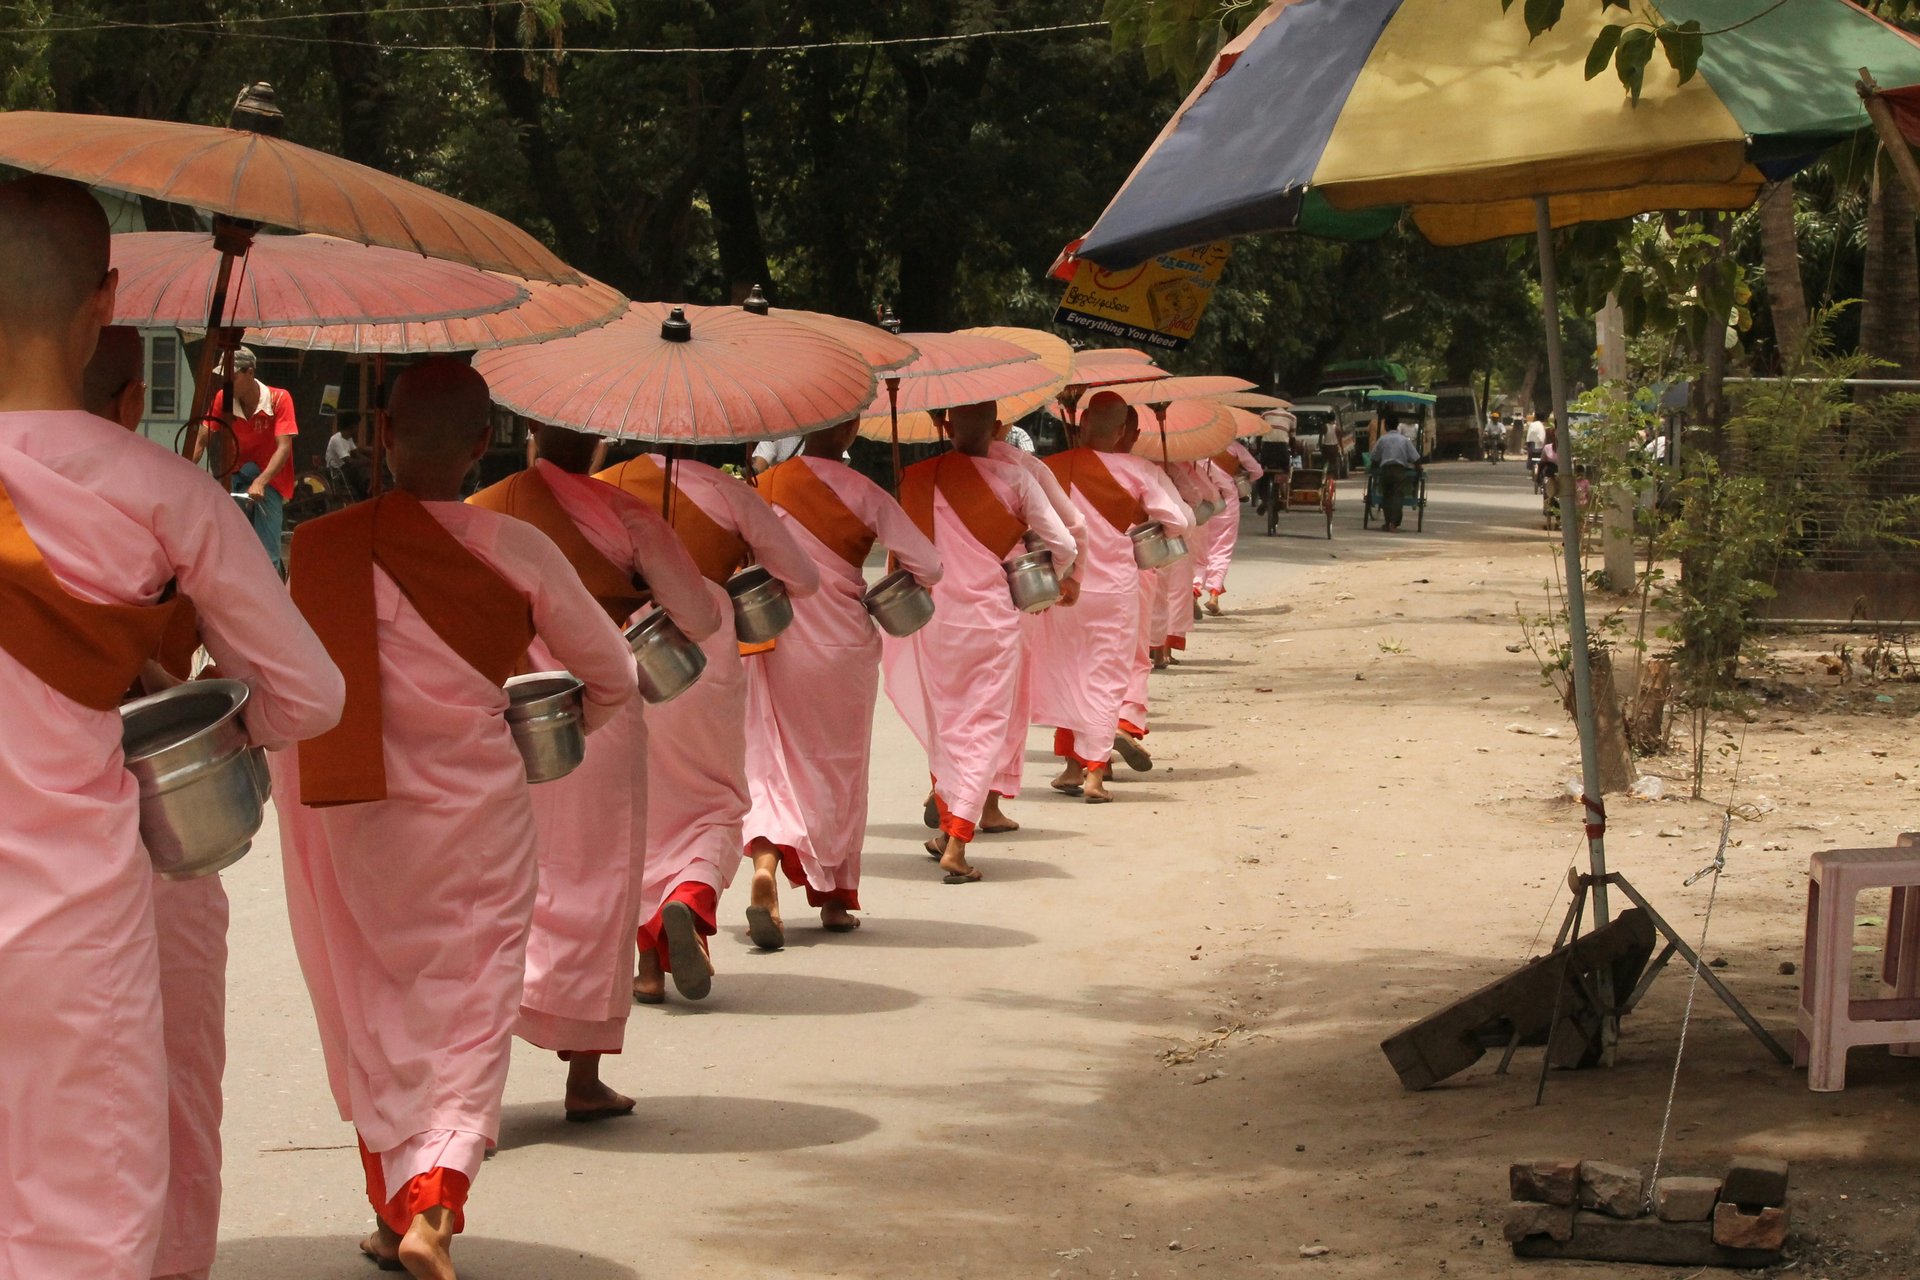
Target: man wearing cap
(263, 429)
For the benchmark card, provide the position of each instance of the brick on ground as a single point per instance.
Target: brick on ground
(1683, 1199)
(1527, 1219)
(1611, 1189)
(1554, 1182)
(1735, 1228)
(1755, 1181)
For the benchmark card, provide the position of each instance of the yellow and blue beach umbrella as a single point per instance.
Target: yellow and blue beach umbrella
(1332, 116)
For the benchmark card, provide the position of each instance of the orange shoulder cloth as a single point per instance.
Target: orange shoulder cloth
(88, 651)
(717, 550)
(798, 490)
(1087, 471)
(527, 496)
(479, 614)
(1228, 461)
(958, 480)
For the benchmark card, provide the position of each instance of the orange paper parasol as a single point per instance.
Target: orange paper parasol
(684, 374)
(1166, 389)
(951, 369)
(550, 311)
(875, 345)
(167, 280)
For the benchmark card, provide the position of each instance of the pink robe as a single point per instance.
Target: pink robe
(810, 701)
(1084, 656)
(592, 824)
(83, 1070)
(1196, 482)
(1133, 706)
(697, 780)
(1014, 757)
(956, 681)
(410, 914)
(190, 918)
(1222, 533)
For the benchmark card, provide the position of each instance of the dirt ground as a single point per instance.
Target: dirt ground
(1147, 1044)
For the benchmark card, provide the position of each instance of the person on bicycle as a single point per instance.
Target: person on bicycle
(1395, 461)
(1536, 440)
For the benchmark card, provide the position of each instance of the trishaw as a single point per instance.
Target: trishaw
(1416, 499)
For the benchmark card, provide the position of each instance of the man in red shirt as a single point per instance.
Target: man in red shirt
(262, 448)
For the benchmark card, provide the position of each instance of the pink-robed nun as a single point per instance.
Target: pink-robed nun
(697, 776)
(955, 682)
(96, 528)
(1195, 482)
(408, 834)
(1008, 781)
(592, 823)
(1221, 536)
(1084, 656)
(810, 700)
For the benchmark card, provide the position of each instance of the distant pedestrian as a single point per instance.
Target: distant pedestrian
(261, 423)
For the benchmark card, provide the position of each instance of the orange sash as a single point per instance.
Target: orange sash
(1228, 461)
(1085, 470)
(527, 496)
(88, 651)
(472, 608)
(718, 551)
(180, 641)
(796, 489)
(959, 481)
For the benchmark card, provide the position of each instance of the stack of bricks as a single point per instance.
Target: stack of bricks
(1598, 1212)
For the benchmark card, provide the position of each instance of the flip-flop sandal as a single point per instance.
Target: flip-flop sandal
(1066, 788)
(384, 1264)
(1137, 760)
(692, 971)
(839, 928)
(954, 877)
(932, 851)
(598, 1114)
(1098, 799)
(649, 997)
(930, 816)
(765, 930)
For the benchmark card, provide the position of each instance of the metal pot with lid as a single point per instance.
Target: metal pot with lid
(202, 787)
(1153, 546)
(1032, 581)
(899, 604)
(667, 661)
(545, 712)
(761, 607)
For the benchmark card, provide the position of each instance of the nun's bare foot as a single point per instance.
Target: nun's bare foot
(649, 983)
(835, 918)
(426, 1251)
(1072, 777)
(1096, 787)
(589, 1098)
(954, 863)
(383, 1246)
(992, 820)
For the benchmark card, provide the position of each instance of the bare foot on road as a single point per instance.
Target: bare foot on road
(649, 983)
(383, 1246)
(835, 918)
(426, 1250)
(992, 820)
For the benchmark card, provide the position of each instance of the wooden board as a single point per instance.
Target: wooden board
(1445, 1043)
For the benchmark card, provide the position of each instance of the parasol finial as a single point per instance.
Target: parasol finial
(675, 327)
(256, 111)
(889, 321)
(756, 302)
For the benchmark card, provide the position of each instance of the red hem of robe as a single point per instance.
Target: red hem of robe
(1128, 726)
(437, 1189)
(797, 877)
(701, 900)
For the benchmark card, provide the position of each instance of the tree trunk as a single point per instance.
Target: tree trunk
(1647, 720)
(1780, 252)
(1617, 773)
(1709, 394)
(736, 216)
(365, 94)
(1890, 309)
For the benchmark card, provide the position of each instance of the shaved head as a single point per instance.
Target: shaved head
(971, 426)
(120, 359)
(439, 406)
(437, 427)
(54, 247)
(565, 448)
(56, 291)
(1104, 419)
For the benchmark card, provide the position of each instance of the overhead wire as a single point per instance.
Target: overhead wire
(221, 27)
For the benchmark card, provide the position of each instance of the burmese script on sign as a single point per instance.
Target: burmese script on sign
(1158, 303)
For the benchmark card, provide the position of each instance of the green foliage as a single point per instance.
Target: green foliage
(1673, 282)
(1178, 38)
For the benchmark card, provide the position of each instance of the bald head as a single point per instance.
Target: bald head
(113, 386)
(55, 290)
(571, 451)
(437, 427)
(53, 250)
(1103, 420)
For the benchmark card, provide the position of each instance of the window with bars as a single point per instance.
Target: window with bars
(163, 377)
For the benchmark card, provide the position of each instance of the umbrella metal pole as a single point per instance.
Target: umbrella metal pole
(1160, 412)
(893, 415)
(1593, 812)
(232, 237)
